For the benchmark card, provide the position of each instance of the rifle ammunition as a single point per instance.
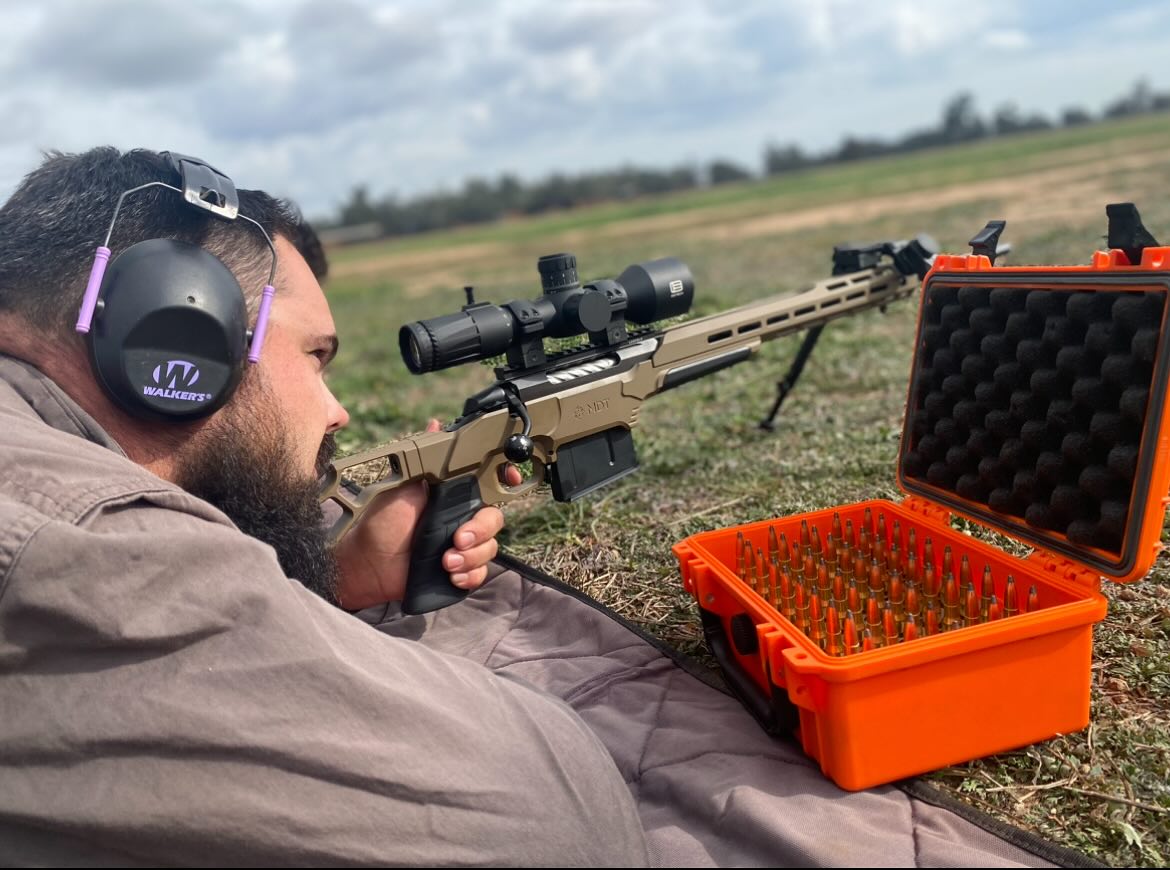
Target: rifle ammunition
(800, 606)
(951, 616)
(913, 569)
(994, 610)
(1033, 603)
(988, 592)
(948, 562)
(836, 526)
(833, 625)
(850, 535)
(873, 616)
(805, 539)
(894, 558)
(868, 520)
(824, 583)
(928, 557)
(853, 598)
(751, 579)
(912, 542)
(877, 583)
(810, 569)
(932, 621)
(910, 631)
(816, 611)
(890, 627)
(740, 565)
(881, 526)
(816, 545)
(786, 591)
(1011, 601)
(831, 553)
(785, 552)
(913, 600)
(964, 572)
(847, 559)
(773, 591)
(762, 568)
(971, 610)
(864, 544)
(838, 589)
(897, 599)
(850, 639)
(867, 640)
(930, 583)
(816, 633)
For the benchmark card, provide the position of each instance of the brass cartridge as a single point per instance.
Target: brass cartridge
(987, 592)
(1011, 600)
(994, 609)
(1033, 600)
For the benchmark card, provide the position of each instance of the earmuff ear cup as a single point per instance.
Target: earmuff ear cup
(170, 335)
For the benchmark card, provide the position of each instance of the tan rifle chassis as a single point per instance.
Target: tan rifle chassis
(579, 401)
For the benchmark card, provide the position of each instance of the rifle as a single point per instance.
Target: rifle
(571, 413)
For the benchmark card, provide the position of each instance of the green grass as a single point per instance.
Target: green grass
(705, 464)
(918, 170)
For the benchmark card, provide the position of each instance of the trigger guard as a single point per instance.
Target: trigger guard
(538, 476)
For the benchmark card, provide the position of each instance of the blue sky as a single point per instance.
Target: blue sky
(308, 99)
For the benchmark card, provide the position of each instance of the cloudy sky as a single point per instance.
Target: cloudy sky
(308, 98)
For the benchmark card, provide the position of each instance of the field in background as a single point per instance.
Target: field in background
(704, 462)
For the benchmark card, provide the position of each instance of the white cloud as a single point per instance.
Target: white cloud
(1008, 40)
(312, 98)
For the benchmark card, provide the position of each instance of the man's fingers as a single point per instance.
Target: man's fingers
(433, 425)
(485, 525)
(513, 476)
(470, 579)
(456, 561)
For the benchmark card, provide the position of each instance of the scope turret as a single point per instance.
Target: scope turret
(643, 293)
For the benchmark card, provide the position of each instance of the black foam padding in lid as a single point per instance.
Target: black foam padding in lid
(1031, 399)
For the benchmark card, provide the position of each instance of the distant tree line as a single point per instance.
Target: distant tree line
(481, 201)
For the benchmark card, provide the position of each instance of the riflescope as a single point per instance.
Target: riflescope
(643, 293)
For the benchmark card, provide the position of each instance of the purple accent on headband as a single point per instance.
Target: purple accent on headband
(261, 323)
(89, 300)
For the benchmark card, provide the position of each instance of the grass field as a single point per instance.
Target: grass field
(705, 464)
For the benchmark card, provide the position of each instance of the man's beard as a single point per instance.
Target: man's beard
(247, 471)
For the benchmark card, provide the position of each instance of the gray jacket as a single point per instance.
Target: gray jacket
(168, 695)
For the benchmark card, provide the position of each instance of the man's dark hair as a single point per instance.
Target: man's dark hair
(52, 224)
(308, 244)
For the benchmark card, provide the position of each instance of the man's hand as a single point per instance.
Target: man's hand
(374, 557)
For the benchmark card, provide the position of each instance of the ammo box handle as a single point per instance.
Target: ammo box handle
(777, 715)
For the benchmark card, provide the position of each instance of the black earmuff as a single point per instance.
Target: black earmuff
(169, 336)
(167, 322)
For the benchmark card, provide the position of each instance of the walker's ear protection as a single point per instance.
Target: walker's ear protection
(168, 326)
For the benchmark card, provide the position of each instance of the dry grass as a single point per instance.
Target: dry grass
(705, 464)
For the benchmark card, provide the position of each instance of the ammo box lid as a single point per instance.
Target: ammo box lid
(1037, 403)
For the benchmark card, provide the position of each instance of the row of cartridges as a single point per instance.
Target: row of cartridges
(857, 589)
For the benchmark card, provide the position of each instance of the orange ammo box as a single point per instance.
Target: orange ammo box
(1036, 409)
